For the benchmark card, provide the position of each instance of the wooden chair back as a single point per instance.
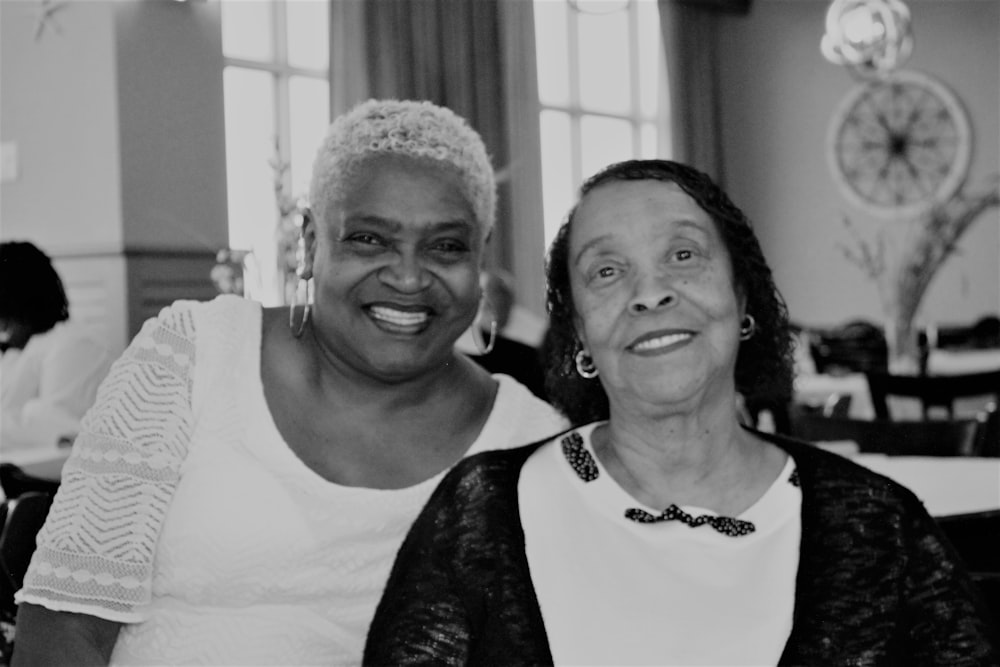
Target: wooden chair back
(22, 519)
(856, 347)
(953, 437)
(933, 391)
(16, 482)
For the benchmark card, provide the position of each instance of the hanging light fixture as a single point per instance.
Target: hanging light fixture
(872, 37)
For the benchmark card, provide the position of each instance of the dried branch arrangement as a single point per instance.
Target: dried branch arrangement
(904, 272)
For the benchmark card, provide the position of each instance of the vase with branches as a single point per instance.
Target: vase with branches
(902, 260)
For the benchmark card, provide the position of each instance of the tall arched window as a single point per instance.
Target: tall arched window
(601, 81)
(277, 102)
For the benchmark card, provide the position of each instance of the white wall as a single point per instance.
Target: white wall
(778, 98)
(116, 113)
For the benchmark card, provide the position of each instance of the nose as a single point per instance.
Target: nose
(652, 291)
(405, 273)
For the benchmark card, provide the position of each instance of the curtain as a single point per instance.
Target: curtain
(348, 76)
(448, 52)
(690, 40)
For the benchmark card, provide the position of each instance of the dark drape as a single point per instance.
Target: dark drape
(690, 40)
(448, 52)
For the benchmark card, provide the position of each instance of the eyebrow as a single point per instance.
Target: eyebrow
(683, 223)
(588, 245)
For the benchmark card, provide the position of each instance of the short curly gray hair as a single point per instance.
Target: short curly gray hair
(417, 129)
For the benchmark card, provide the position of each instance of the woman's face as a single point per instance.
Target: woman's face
(653, 289)
(396, 268)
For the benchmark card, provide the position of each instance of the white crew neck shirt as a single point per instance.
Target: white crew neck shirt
(614, 591)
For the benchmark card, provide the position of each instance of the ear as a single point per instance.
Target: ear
(578, 328)
(741, 302)
(307, 244)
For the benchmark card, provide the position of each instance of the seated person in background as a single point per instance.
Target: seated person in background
(51, 368)
(487, 342)
(661, 532)
(238, 493)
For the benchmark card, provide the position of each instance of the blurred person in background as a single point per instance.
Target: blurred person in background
(491, 344)
(51, 367)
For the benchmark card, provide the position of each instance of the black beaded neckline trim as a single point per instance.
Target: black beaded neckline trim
(723, 524)
(585, 467)
(579, 458)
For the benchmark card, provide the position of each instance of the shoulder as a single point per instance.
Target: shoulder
(490, 473)
(226, 315)
(222, 307)
(843, 486)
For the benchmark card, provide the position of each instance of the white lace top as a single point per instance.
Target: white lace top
(183, 514)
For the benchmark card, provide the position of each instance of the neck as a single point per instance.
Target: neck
(704, 459)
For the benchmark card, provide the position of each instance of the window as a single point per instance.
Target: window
(601, 76)
(277, 109)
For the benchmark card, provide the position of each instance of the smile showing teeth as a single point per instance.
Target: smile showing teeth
(662, 341)
(398, 317)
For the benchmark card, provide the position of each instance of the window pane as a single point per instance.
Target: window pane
(557, 170)
(249, 109)
(552, 52)
(650, 57)
(310, 115)
(604, 62)
(603, 141)
(308, 27)
(650, 148)
(247, 29)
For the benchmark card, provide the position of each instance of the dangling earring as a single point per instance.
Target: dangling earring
(477, 336)
(585, 365)
(297, 329)
(747, 327)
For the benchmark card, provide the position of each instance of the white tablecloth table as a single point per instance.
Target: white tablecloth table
(816, 388)
(946, 484)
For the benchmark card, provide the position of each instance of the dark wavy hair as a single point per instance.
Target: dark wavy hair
(32, 291)
(764, 362)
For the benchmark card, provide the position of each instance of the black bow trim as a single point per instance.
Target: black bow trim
(723, 524)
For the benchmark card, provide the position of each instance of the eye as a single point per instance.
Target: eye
(365, 238)
(603, 273)
(450, 246)
(686, 255)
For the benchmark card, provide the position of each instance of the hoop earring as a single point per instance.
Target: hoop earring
(297, 329)
(585, 365)
(748, 327)
(477, 336)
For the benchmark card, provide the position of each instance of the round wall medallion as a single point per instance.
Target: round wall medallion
(898, 145)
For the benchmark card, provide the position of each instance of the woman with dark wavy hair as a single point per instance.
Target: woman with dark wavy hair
(661, 530)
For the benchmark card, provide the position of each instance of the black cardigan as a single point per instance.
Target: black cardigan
(878, 584)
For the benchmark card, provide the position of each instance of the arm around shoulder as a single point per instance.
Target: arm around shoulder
(46, 637)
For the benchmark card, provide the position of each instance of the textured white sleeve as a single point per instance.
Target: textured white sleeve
(95, 551)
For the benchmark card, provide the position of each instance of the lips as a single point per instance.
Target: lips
(400, 319)
(659, 341)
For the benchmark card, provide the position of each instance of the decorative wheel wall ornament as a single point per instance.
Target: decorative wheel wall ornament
(898, 145)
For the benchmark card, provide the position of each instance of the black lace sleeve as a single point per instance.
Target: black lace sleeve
(460, 592)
